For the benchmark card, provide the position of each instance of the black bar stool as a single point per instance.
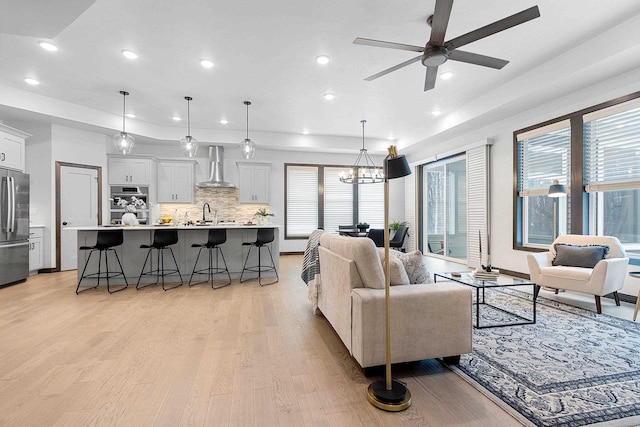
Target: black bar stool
(217, 236)
(162, 239)
(105, 242)
(264, 236)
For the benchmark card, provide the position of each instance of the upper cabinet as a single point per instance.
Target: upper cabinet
(254, 182)
(176, 182)
(12, 148)
(129, 171)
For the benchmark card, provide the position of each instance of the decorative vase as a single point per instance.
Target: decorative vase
(129, 218)
(260, 220)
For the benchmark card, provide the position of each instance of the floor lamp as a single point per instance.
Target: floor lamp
(556, 190)
(389, 394)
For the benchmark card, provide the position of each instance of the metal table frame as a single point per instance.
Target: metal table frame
(466, 278)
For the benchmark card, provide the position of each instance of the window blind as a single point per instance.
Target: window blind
(302, 201)
(543, 158)
(371, 204)
(612, 151)
(338, 200)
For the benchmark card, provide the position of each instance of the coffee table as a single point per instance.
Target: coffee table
(480, 286)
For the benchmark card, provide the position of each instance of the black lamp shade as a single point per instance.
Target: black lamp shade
(557, 190)
(396, 167)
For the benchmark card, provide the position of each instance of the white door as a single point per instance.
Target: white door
(78, 208)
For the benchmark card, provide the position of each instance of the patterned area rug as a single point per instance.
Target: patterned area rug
(572, 368)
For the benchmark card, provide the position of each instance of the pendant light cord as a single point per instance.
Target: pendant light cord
(124, 109)
(363, 122)
(247, 119)
(188, 118)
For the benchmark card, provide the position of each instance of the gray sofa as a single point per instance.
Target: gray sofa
(427, 320)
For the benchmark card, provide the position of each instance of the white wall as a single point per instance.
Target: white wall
(502, 176)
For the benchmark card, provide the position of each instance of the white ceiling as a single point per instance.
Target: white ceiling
(265, 52)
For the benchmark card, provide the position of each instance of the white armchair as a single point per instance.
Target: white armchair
(607, 276)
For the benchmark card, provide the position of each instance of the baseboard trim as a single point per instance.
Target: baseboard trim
(48, 270)
(292, 253)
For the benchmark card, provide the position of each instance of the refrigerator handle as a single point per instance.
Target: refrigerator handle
(11, 211)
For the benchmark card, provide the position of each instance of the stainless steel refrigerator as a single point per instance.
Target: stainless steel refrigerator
(14, 227)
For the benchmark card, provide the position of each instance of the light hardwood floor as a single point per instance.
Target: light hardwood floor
(240, 355)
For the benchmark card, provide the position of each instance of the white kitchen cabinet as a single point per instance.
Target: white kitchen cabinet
(254, 183)
(129, 171)
(36, 254)
(176, 182)
(12, 148)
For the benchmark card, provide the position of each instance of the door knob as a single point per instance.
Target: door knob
(64, 223)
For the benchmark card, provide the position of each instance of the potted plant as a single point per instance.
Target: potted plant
(262, 216)
(393, 226)
(362, 226)
(130, 208)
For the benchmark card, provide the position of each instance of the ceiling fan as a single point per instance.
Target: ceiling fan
(436, 52)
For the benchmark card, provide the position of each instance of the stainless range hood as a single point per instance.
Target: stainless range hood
(216, 170)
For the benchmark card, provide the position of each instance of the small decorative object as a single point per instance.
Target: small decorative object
(362, 226)
(262, 216)
(130, 207)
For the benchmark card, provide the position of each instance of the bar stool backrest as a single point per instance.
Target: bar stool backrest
(217, 236)
(162, 238)
(264, 235)
(109, 238)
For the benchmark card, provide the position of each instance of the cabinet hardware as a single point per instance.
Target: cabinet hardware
(3, 157)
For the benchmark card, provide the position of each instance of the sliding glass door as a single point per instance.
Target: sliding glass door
(444, 211)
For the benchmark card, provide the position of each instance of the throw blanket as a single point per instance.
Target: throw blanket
(311, 266)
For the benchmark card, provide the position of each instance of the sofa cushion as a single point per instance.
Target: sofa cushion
(362, 252)
(397, 273)
(414, 266)
(586, 256)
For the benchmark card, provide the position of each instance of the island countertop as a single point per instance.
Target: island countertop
(170, 226)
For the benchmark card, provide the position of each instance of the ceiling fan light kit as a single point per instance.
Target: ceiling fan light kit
(247, 147)
(436, 52)
(189, 144)
(123, 141)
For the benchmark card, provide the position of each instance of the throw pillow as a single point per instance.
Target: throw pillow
(397, 273)
(414, 266)
(586, 256)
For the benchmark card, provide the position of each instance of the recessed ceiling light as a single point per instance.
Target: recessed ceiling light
(329, 96)
(224, 121)
(31, 81)
(446, 75)
(436, 112)
(176, 118)
(390, 138)
(48, 46)
(131, 115)
(322, 60)
(206, 63)
(305, 132)
(129, 54)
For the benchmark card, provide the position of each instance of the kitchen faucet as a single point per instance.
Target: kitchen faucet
(208, 207)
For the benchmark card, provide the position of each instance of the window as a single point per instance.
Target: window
(444, 219)
(543, 155)
(596, 153)
(315, 198)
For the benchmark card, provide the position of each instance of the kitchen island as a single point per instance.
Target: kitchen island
(132, 256)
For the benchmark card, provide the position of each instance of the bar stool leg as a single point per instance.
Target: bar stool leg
(82, 275)
(225, 267)
(245, 264)
(142, 272)
(194, 267)
(177, 270)
(123, 275)
(273, 265)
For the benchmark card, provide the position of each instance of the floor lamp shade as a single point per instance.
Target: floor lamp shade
(389, 394)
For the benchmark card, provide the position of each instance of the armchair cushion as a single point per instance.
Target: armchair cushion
(586, 256)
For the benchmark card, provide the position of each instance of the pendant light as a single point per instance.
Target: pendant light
(123, 141)
(189, 144)
(247, 147)
(364, 170)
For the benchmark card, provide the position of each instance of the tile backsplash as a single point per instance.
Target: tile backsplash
(224, 200)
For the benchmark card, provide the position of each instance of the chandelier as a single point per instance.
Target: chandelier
(364, 170)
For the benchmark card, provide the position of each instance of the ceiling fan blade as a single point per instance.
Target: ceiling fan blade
(430, 78)
(390, 45)
(394, 68)
(496, 27)
(474, 58)
(440, 21)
